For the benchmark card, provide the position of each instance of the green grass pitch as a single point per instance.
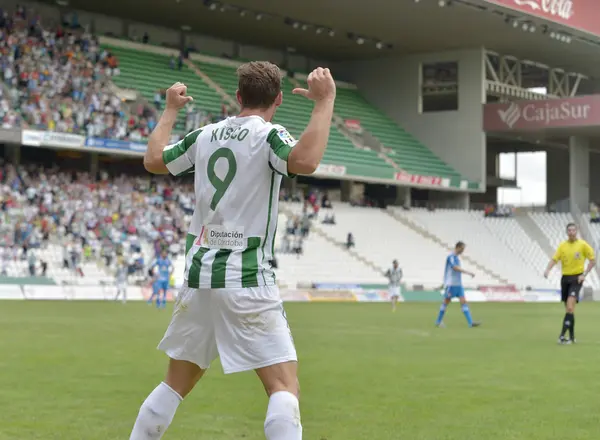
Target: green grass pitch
(80, 370)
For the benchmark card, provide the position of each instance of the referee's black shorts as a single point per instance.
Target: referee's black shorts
(570, 287)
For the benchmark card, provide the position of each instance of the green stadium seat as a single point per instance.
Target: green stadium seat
(295, 113)
(148, 72)
(405, 150)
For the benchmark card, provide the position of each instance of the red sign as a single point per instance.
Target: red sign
(499, 289)
(353, 125)
(419, 180)
(501, 293)
(583, 15)
(331, 170)
(583, 111)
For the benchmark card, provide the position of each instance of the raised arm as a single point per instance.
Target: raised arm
(159, 139)
(306, 156)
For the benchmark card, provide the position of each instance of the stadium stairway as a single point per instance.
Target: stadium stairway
(380, 238)
(330, 260)
(146, 69)
(322, 261)
(533, 230)
(497, 244)
(408, 222)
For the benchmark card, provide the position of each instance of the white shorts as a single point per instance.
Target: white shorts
(394, 291)
(245, 327)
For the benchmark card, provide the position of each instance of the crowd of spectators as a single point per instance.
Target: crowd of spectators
(59, 79)
(298, 226)
(104, 220)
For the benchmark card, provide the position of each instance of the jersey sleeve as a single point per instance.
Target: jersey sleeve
(589, 252)
(558, 253)
(453, 261)
(180, 157)
(280, 143)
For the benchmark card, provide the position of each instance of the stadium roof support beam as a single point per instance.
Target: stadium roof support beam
(563, 84)
(510, 71)
(504, 79)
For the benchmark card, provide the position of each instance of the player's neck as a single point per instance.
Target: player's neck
(265, 114)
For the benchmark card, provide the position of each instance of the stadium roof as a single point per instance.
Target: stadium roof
(410, 26)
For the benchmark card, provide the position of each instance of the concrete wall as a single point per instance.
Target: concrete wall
(261, 53)
(159, 36)
(557, 175)
(394, 85)
(579, 171)
(210, 45)
(595, 177)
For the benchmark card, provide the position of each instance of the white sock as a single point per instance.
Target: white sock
(156, 413)
(283, 417)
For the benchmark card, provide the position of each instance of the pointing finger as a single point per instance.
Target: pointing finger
(300, 91)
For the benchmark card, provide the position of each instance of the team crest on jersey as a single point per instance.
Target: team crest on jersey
(286, 137)
(577, 255)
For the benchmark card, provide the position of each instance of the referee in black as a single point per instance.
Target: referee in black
(571, 254)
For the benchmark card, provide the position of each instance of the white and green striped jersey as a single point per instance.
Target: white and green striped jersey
(394, 276)
(238, 164)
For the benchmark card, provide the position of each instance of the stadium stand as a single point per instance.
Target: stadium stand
(406, 151)
(322, 261)
(158, 76)
(489, 249)
(293, 114)
(509, 232)
(57, 79)
(594, 229)
(380, 238)
(74, 230)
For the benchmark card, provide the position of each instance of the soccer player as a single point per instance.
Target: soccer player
(453, 287)
(164, 269)
(121, 281)
(229, 305)
(572, 254)
(394, 275)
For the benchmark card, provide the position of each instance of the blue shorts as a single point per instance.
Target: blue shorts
(454, 292)
(161, 285)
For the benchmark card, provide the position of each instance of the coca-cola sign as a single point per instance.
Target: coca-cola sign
(579, 14)
(583, 111)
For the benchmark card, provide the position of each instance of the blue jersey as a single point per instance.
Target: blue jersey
(164, 268)
(451, 276)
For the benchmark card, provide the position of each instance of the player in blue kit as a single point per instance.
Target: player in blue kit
(453, 287)
(163, 268)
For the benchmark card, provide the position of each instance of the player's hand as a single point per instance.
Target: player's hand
(176, 96)
(546, 274)
(321, 86)
(472, 275)
(581, 279)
